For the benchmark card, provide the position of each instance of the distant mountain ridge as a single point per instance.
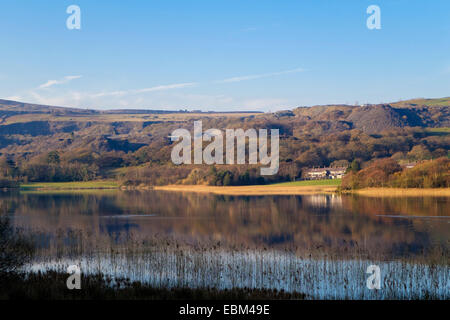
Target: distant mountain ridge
(33, 107)
(434, 113)
(23, 107)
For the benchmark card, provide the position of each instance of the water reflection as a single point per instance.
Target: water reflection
(326, 224)
(319, 245)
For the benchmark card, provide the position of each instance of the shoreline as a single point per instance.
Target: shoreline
(251, 190)
(256, 190)
(401, 192)
(70, 185)
(306, 190)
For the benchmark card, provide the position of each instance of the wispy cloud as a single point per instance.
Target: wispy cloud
(166, 96)
(51, 83)
(14, 98)
(166, 100)
(265, 104)
(109, 94)
(144, 90)
(166, 87)
(259, 76)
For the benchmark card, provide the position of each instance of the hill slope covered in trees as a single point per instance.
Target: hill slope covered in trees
(44, 143)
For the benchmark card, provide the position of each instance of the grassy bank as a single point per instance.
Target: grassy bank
(298, 187)
(287, 188)
(324, 182)
(252, 190)
(51, 285)
(402, 192)
(101, 184)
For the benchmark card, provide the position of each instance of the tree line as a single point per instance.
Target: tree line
(388, 173)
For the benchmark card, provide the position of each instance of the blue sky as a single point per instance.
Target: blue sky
(223, 55)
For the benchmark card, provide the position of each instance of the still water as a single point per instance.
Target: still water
(319, 245)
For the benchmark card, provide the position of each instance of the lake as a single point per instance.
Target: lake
(319, 245)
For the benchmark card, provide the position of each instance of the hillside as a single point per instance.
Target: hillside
(100, 143)
(369, 118)
(421, 102)
(375, 118)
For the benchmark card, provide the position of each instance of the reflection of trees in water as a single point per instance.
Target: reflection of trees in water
(412, 206)
(327, 224)
(434, 230)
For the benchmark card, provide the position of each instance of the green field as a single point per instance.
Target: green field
(443, 129)
(440, 102)
(325, 182)
(70, 185)
(80, 185)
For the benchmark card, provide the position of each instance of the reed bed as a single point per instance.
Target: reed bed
(171, 263)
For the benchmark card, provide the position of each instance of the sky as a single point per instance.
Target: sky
(223, 54)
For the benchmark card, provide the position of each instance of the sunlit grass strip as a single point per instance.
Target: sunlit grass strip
(256, 190)
(104, 184)
(403, 192)
(443, 129)
(324, 182)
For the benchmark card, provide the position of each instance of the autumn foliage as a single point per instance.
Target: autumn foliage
(388, 173)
